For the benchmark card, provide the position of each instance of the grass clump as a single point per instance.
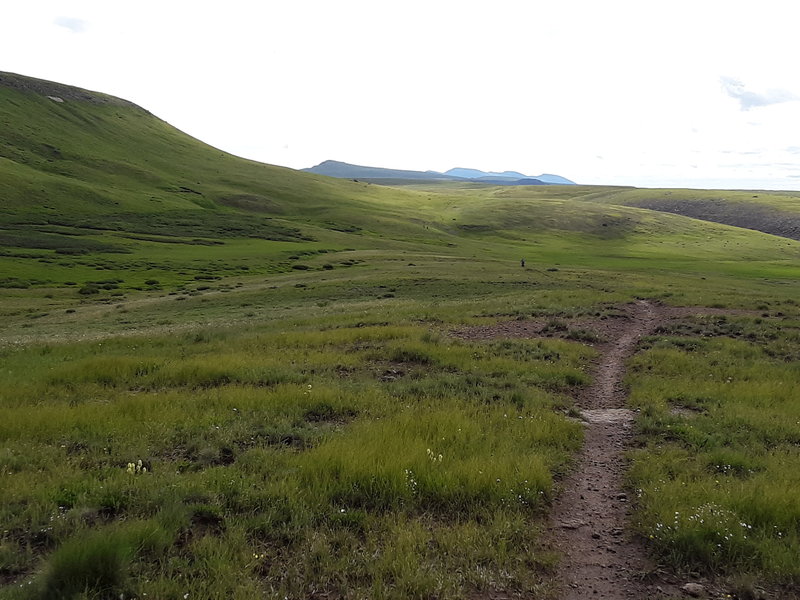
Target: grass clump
(96, 563)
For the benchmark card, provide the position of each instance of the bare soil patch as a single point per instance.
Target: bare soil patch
(603, 328)
(607, 328)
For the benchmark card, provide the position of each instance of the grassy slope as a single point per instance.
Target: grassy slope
(284, 393)
(77, 175)
(776, 213)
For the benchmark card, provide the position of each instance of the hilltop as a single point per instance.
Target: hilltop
(59, 92)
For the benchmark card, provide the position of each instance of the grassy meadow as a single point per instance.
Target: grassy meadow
(221, 379)
(280, 463)
(717, 471)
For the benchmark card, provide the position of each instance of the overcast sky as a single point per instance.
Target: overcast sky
(698, 93)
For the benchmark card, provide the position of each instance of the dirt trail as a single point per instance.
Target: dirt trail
(589, 520)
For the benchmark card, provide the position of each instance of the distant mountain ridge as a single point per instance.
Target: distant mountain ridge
(477, 174)
(333, 168)
(512, 175)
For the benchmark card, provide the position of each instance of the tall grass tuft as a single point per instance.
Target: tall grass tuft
(449, 461)
(94, 563)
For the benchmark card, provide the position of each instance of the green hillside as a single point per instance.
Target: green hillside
(224, 379)
(773, 212)
(93, 178)
(87, 158)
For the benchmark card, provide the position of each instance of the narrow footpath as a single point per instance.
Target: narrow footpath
(589, 524)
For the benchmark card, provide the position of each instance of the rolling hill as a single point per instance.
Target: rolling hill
(83, 173)
(84, 152)
(776, 213)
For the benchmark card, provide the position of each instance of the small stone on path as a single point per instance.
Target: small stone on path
(695, 590)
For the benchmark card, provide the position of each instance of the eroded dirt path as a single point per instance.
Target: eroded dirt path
(589, 520)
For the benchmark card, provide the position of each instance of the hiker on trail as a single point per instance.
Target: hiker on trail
(522, 263)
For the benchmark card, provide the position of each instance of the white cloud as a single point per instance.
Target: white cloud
(72, 24)
(749, 99)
